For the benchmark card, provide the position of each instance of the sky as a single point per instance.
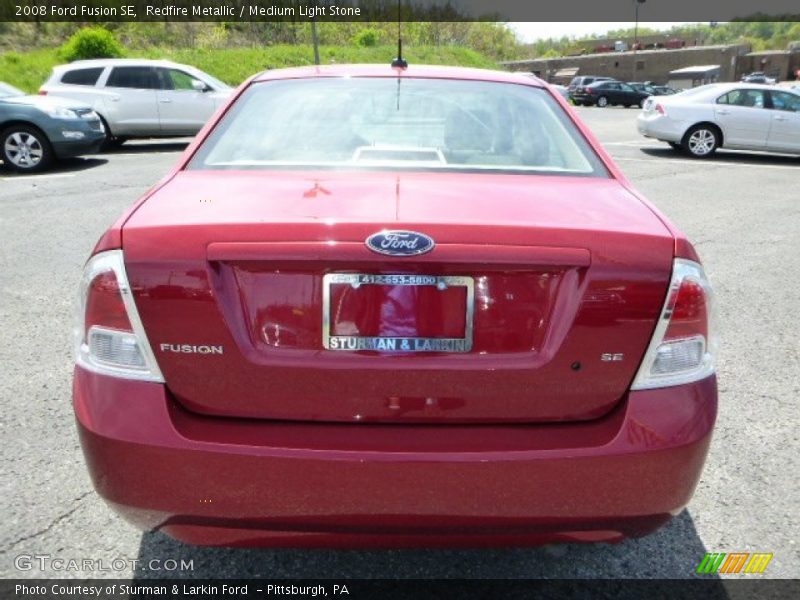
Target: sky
(530, 32)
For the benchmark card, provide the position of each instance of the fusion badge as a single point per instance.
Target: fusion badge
(400, 243)
(191, 349)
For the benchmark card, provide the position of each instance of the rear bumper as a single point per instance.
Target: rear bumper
(240, 482)
(653, 125)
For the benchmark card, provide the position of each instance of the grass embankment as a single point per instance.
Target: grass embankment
(29, 70)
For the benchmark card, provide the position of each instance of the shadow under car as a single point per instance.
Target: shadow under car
(674, 551)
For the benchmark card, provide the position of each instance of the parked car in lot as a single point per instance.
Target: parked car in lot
(646, 88)
(584, 80)
(35, 131)
(141, 98)
(605, 93)
(376, 306)
(652, 90)
(664, 90)
(758, 77)
(738, 116)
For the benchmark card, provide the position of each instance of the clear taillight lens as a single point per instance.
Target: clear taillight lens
(684, 344)
(109, 336)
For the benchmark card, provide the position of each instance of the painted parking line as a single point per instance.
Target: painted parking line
(635, 144)
(25, 178)
(129, 154)
(705, 163)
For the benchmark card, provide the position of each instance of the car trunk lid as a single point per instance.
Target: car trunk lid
(536, 303)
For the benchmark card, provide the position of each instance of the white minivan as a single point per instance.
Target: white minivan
(140, 98)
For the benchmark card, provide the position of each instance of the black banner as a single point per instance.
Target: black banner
(387, 10)
(356, 589)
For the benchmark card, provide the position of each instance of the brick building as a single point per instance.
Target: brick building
(734, 61)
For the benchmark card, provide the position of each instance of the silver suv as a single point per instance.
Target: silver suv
(140, 98)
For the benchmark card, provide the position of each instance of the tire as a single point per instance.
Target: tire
(26, 149)
(641, 103)
(112, 142)
(602, 102)
(701, 141)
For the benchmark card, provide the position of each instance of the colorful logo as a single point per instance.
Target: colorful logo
(734, 562)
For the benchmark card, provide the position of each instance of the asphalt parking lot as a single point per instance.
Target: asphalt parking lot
(740, 210)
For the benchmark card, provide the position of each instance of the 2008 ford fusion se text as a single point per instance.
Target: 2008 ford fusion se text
(427, 291)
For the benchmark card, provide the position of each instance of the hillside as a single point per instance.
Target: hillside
(233, 52)
(29, 70)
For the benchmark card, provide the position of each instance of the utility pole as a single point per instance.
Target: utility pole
(315, 39)
(636, 4)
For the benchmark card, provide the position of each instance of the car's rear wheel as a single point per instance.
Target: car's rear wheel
(25, 148)
(641, 103)
(701, 141)
(112, 142)
(602, 102)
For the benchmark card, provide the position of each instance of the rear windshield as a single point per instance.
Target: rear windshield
(390, 123)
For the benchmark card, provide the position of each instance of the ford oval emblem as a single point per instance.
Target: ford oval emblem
(400, 243)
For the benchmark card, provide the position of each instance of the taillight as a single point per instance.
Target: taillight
(43, 92)
(684, 344)
(109, 336)
(660, 109)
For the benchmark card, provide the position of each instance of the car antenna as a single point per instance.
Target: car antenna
(399, 62)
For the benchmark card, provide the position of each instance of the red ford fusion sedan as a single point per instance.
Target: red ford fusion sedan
(395, 307)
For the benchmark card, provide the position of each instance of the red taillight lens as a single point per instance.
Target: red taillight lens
(109, 336)
(684, 346)
(43, 92)
(660, 109)
(104, 305)
(690, 313)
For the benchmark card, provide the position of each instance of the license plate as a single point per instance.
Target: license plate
(456, 286)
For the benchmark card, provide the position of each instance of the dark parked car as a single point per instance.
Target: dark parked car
(652, 90)
(664, 90)
(34, 130)
(603, 93)
(647, 88)
(584, 80)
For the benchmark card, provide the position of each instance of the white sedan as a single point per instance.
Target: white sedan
(737, 116)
